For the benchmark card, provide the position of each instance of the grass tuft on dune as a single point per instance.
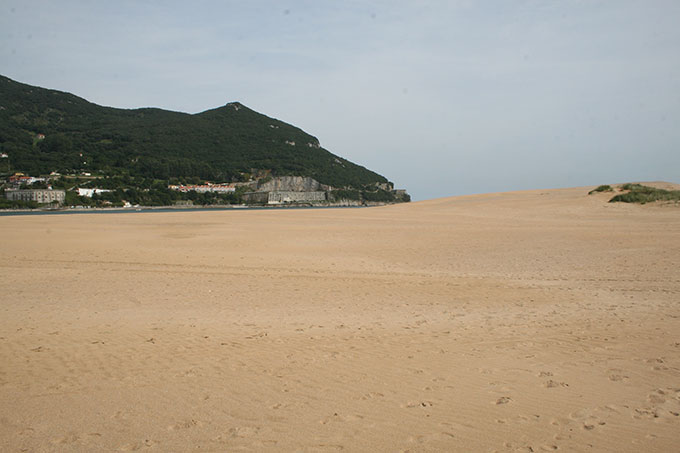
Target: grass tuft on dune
(637, 193)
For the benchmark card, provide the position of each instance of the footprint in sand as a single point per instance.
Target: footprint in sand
(412, 404)
(588, 419)
(332, 447)
(657, 364)
(67, 439)
(616, 375)
(341, 418)
(244, 431)
(664, 402)
(527, 418)
(648, 413)
(265, 443)
(372, 395)
(134, 446)
(658, 396)
(184, 425)
(439, 436)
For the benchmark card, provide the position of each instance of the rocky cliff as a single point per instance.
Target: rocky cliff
(292, 184)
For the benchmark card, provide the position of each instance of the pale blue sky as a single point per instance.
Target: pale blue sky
(442, 97)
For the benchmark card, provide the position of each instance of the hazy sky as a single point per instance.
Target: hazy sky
(442, 97)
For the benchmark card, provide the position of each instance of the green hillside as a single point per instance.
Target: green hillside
(221, 144)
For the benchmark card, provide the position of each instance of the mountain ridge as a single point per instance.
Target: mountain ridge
(44, 130)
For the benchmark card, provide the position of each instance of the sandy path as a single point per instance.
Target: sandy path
(543, 320)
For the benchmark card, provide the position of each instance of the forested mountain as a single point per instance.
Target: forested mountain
(45, 130)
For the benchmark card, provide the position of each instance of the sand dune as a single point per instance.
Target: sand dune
(527, 321)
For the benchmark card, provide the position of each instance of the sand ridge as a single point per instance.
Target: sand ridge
(528, 321)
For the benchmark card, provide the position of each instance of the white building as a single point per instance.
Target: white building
(89, 192)
(203, 188)
(280, 196)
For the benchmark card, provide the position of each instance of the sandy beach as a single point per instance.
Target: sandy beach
(526, 321)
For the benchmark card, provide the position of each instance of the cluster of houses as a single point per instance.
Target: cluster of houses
(17, 192)
(17, 179)
(275, 191)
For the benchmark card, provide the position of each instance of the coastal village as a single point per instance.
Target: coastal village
(267, 191)
(17, 189)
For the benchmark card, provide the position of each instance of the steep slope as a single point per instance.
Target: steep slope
(218, 144)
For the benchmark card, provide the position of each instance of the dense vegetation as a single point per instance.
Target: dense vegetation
(220, 145)
(602, 188)
(368, 193)
(637, 193)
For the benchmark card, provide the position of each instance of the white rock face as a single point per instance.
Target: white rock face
(292, 184)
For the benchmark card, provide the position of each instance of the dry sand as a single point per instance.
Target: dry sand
(526, 321)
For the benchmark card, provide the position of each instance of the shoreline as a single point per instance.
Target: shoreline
(28, 212)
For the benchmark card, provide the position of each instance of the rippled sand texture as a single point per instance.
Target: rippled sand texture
(530, 321)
